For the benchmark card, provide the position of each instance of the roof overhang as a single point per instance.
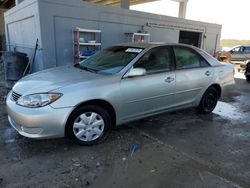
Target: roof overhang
(6, 4)
(118, 2)
(180, 1)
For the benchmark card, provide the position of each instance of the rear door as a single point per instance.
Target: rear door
(154, 91)
(246, 51)
(193, 74)
(238, 54)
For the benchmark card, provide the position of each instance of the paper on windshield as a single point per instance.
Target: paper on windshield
(134, 50)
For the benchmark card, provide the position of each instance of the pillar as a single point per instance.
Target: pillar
(183, 8)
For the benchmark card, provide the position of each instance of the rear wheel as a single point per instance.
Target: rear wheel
(88, 125)
(209, 101)
(248, 78)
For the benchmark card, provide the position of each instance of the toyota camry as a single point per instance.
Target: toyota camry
(117, 85)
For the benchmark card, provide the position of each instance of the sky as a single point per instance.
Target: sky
(233, 15)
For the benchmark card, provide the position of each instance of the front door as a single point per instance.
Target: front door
(153, 92)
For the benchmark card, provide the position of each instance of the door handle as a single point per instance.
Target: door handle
(207, 73)
(169, 79)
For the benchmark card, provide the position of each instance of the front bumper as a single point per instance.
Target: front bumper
(45, 122)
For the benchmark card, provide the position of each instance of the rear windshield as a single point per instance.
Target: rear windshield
(111, 60)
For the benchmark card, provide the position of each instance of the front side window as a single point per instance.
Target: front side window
(111, 60)
(236, 49)
(186, 58)
(156, 60)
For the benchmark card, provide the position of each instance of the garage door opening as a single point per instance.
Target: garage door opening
(191, 38)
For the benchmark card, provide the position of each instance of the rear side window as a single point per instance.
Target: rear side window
(203, 62)
(187, 58)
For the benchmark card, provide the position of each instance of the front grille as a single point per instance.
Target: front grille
(15, 96)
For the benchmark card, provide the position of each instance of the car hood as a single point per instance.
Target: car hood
(52, 79)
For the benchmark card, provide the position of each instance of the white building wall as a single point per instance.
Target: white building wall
(51, 21)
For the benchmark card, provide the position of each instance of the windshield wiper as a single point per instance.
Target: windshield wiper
(76, 65)
(86, 68)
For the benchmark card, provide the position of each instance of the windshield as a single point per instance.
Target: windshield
(111, 60)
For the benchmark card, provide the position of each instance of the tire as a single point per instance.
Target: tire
(248, 78)
(88, 125)
(208, 101)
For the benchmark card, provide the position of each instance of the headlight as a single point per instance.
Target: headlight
(38, 100)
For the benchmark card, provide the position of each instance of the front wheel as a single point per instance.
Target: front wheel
(88, 125)
(209, 101)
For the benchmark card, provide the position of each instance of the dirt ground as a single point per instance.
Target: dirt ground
(178, 149)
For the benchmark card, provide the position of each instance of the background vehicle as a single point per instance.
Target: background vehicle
(240, 53)
(247, 72)
(115, 86)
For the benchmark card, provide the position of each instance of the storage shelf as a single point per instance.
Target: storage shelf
(138, 34)
(85, 38)
(87, 30)
(137, 37)
(88, 44)
(82, 57)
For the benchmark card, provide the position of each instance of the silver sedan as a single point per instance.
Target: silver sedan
(117, 85)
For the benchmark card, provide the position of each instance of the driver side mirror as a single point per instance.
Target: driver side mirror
(134, 72)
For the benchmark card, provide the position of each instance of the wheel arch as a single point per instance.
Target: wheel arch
(98, 102)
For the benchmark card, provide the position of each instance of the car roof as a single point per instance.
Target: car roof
(241, 46)
(206, 55)
(152, 44)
